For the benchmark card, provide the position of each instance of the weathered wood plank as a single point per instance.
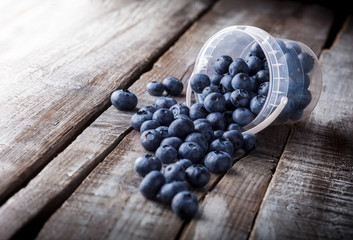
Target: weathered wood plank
(311, 193)
(63, 61)
(107, 204)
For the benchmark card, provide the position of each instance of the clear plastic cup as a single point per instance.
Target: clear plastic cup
(295, 78)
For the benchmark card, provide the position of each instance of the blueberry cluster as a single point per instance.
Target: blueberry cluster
(185, 145)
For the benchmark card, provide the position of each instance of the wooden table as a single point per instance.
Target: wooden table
(66, 155)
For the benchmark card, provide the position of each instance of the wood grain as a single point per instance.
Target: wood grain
(63, 61)
(311, 193)
(107, 204)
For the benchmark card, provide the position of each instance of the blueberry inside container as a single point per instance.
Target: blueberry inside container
(295, 78)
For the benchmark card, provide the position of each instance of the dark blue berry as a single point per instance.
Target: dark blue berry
(293, 64)
(123, 99)
(147, 163)
(164, 116)
(229, 104)
(257, 103)
(181, 128)
(254, 63)
(205, 128)
(250, 142)
(307, 61)
(149, 108)
(139, 118)
(257, 51)
(185, 205)
(179, 108)
(217, 134)
(185, 163)
(173, 86)
(198, 138)
(151, 184)
(199, 81)
(217, 121)
(169, 190)
(172, 141)
(215, 102)
(262, 76)
(240, 98)
(151, 139)
(238, 66)
(222, 64)
(197, 175)
(174, 172)
(216, 79)
(210, 89)
(218, 161)
(163, 130)
(226, 84)
(235, 126)
(155, 88)
(222, 145)
(165, 102)
(149, 124)
(197, 111)
(242, 81)
(293, 46)
(166, 153)
(263, 88)
(305, 99)
(191, 151)
(243, 116)
(235, 137)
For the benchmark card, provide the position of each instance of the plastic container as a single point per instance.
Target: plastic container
(295, 78)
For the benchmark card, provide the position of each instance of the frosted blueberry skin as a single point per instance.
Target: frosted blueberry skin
(198, 111)
(250, 142)
(166, 153)
(172, 141)
(150, 140)
(174, 172)
(185, 205)
(217, 121)
(191, 151)
(163, 130)
(164, 102)
(257, 103)
(222, 145)
(185, 163)
(243, 116)
(198, 138)
(169, 190)
(164, 116)
(222, 64)
(197, 175)
(155, 88)
(218, 161)
(215, 102)
(123, 99)
(238, 66)
(234, 126)
(240, 98)
(205, 128)
(254, 63)
(149, 124)
(139, 118)
(257, 51)
(173, 86)
(147, 163)
(181, 128)
(210, 89)
(199, 81)
(226, 84)
(235, 137)
(263, 88)
(151, 184)
(262, 76)
(178, 109)
(242, 81)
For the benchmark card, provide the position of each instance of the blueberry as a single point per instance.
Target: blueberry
(262, 76)
(263, 88)
(226, 84)
(254, 63)
(217, 134)
(197, 175)
(243, 116)
(305, 99)
(240, 98)
(222, 64)
(257, 51)
(293, 64)
(151, 184)
(199, 81)
(164, 116)
(123, 99)
(250, 142)
(151, 139)
(174, 172)
(172, 141)
(163, 130)
(185, 163)
(282, 45)
(235, 126)
(198, 138)
(217, 121)
(238, 66)
(205, 128)
(307, 61)
(242, 81)
(202, 120)
(155, 88)
(173, 86)
(222, 145)
(185, 205)
(235, 137)
(181, 128)
(169, 190)
(210, 89)
(197, 111)
(179, 108)
(293, 46)
(147, 163)
(215, 102)
(191, 151)
(165, 102)
(149, 108)
(218, 161)
(254, 84)
(257, 103)
(166, 153)
(229, 104)
(216, 79)
(182, 116)
(149, 124)
(139, 118)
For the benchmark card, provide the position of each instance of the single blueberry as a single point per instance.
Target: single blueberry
(234, 126)
(163, 130)
(198, 138)
(257, 51)
(235, 137)
(173, 86)
(216, 79)
(199, 81)
(254, 63)
(149, 108)
(164, 116)
(185, 163)
(218, 161)
(240, 98)
(197, 175)
(166, 153)
(307, 61)
(179, 108)
(243, 116)
(151, 139)
(181, 128)
(147, 163)
(191, 151)
(185, 205)
(238, 66)
(169, 190)
(151, 184)
(149, 124)
(197, 111)
(172, 141)
(139, 118)
(217, 121)
(262, 76)
(250, 142)
(174, 172)
(205, 128)
(217, 134)
(165, 102)
(123, 99)
(155, 88)
(242, 81)
(257, 103)
(226, 84)
(222, 64)
(210, 89)
(263, 88)
(215, 102)
(222, 145)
